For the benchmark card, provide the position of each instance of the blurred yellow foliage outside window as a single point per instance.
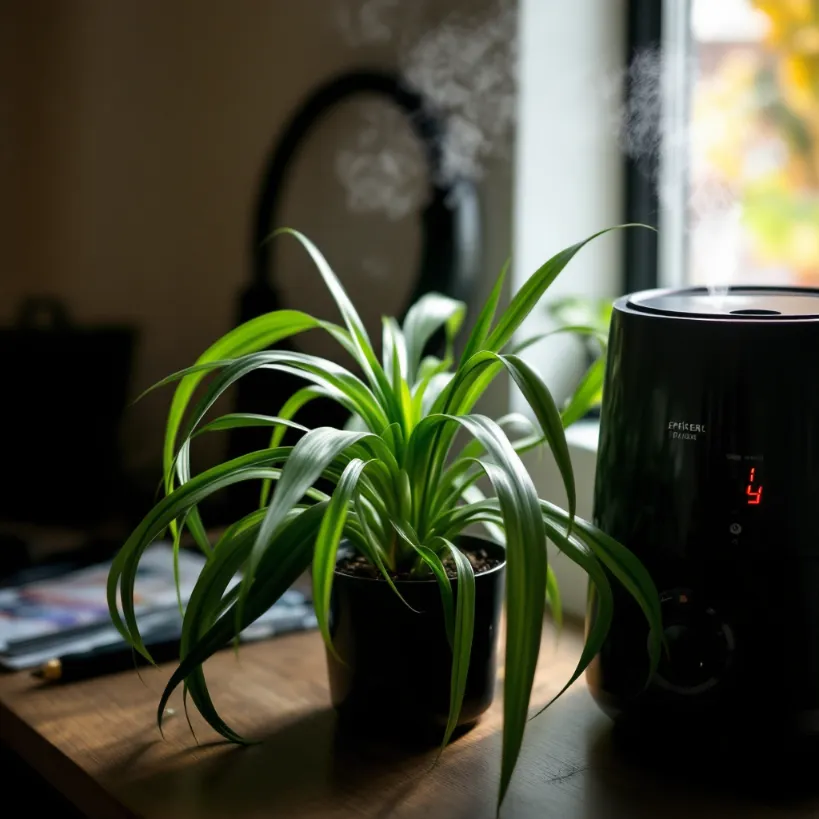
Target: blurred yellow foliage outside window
(754, 140)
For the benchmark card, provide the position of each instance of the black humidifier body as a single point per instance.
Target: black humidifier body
(708, 470)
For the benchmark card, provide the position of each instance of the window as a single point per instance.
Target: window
(720, 127)
(734, 186)
(568, 184)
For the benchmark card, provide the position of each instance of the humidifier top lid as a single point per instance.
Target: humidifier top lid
(749, 303)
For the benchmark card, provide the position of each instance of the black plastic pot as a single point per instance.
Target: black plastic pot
(397, 663)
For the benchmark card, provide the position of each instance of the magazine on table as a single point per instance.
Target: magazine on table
(69, 613)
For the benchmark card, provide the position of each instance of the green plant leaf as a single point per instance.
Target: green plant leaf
(535, 286)
(556, 520)
(243, 419)
(462, 472)
(448, 523)
(587, 393)
(234, 420)
(525, 603)
(483, 324)
(553, 598)
(220, 569)
(406, 511)
(431, 392)
(347, 390)
(525, 575)
(539, 398)
(344, 387)
(460, 395)
(431, 369)
(326, 548)
(192, 519)
(394, 350)
(363, 349)
(288, 556)
(573, 329)
(176, 578)
(634, 577)
(341, 385)
(289, 409)
(626, 568)
(376, 552)
(382, 447)
(431, 440)
(205, 605)
(433, 561)
(474, 448)
(462, 638)
(305, 464)
(252, 336)
(122, 576)
(470, 381)
(582, 310)
(600, 624)
(428, 315)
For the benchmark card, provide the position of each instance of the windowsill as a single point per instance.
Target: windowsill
(584, 435)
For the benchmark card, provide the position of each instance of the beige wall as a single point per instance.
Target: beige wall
(131, 138)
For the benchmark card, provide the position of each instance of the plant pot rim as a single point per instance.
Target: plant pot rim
(487, 573)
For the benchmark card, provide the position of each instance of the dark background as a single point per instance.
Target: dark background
(133, 140)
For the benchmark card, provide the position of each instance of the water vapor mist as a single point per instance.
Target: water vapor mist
(464, 67)
(382, 168)
(669, 150)
(369, 21)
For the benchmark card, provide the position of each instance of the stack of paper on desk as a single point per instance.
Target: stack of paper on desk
(67, 614)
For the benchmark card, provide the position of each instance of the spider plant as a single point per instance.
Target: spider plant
(404, 487)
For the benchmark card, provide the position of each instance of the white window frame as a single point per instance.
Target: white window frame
(674, 156)
(568, 184)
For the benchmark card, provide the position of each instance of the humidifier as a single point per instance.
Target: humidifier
(708, 471)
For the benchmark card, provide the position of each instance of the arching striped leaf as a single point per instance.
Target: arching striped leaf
(305, 464)
(327, 541)
(483, 324)
(587, 394)
(428, 315)
(462, 638)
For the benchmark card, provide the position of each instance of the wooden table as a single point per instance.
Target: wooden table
(96, 742)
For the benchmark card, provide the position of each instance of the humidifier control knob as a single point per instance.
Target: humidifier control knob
(698, 644)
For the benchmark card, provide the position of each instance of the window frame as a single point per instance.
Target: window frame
(660, 259)
(641, 248)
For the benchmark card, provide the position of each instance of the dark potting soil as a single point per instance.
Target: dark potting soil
(359, 566)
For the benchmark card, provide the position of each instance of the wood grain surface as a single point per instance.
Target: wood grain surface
(96, 741)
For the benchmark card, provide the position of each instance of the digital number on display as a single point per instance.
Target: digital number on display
(753, 489)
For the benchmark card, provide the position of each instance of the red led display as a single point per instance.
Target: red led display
(754, 490)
